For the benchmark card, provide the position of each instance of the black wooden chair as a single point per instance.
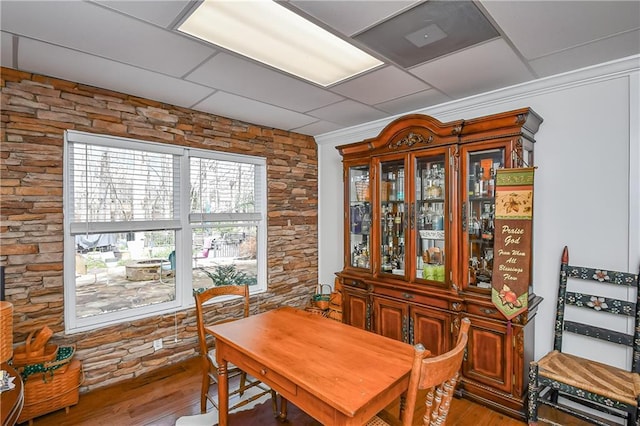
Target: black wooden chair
(584, 382)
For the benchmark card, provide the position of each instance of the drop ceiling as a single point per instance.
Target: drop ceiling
(133, 47)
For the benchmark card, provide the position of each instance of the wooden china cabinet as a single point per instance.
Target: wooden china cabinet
(419, 205)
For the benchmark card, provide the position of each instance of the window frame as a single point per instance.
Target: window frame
(183, 224)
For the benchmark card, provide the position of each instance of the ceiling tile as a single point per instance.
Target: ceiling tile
(348, 113)
(605, 50)
(87, 27)
(317, 128)
(245, 78)
(539, 28)
(239, 108)
(350, 17)
(6, 50)
(374, 87)
(475, 70)
(413, 102)
(71, 65)
(162, 13)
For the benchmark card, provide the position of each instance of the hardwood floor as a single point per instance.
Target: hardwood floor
(163, 396)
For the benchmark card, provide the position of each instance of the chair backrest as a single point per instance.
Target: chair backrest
(598, 304)
(439, 374)
(203, 296)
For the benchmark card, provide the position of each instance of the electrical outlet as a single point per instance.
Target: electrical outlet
(157, 344)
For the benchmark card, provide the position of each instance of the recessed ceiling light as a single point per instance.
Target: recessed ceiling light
(269, 33)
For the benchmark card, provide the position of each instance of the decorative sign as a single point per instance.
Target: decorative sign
(512, 242)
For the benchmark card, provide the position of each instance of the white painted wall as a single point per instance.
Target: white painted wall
(587, 186)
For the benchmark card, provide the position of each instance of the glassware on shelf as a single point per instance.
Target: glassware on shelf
(434, 190)
(486, 222)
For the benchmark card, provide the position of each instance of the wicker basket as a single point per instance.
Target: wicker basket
(320, 299)
(64, 356)
(44, 392)
(35, 350)
(6, 331)
(317, 311)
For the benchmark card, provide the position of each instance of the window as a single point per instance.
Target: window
(145, 223)
(225, 222)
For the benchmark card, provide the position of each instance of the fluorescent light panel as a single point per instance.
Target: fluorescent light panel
(272, 34)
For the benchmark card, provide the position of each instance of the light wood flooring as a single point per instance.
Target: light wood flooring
(169, 393)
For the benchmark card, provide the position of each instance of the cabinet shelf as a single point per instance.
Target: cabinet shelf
(430, 234)
(481, 199)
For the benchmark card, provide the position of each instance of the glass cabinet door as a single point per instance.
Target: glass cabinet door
(359, 216)
(392, 190)
(430, 208)
(478, 214)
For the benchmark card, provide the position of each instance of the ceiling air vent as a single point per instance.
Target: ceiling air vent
(427, 31)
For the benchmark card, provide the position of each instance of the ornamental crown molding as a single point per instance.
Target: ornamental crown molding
(443, 112)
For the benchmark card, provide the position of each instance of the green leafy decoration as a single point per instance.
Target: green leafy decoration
(229, 275)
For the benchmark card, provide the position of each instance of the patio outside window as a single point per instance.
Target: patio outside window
(145, 223)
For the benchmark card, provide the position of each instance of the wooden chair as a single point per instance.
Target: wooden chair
(209, 364)
(438, 375)
(584, 382)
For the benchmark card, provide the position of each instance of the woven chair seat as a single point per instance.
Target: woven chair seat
(376, 421)
(595, 377)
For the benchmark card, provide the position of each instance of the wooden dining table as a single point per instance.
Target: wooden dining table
(11, 401)
(336, 373)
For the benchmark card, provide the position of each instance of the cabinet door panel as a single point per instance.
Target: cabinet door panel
(432, 328)
(489, 355)
(479, 165)
(358, 217)
(430, 217)
(354, 309)
(390, 318)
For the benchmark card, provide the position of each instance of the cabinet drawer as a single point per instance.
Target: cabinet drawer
(354, 283)
(270, 377)
(485, 311)
(412, 297)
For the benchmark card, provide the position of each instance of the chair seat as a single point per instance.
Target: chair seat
(377, 421)
(595, 377)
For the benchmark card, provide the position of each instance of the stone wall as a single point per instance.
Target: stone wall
(35, 111)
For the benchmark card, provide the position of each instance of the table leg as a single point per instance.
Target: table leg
(223, 393)
(282, 415)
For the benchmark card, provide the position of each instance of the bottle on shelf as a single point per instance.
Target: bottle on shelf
(486, 223)
(435, 188)
(480, 183)
(438, 218)
(472, 179)
(392, 187)
(475, 226)
(429, 217)
(398, 222)
(422, 218)
(491, 183)
(400, 186)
